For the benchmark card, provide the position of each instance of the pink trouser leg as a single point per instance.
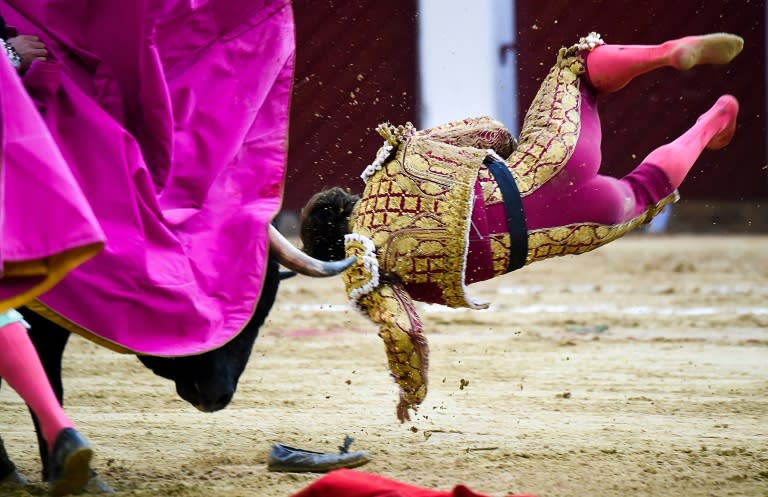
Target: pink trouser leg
(20, 367)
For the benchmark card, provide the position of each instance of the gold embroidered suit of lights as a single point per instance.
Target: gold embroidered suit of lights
(416, 210)
(548, 138)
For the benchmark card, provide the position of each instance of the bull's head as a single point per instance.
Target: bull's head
(293, 258)
(208, 381)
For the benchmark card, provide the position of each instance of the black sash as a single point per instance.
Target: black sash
(513, 206)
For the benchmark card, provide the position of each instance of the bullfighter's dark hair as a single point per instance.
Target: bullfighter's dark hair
(325, 221)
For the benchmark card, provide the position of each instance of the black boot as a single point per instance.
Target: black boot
(69, 463)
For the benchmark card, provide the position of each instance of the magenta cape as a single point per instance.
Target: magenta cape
(38, 246)
(172, 117)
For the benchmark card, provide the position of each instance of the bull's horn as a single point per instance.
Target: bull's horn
(296, 260)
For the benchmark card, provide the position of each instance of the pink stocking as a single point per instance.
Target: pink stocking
(713, 130)
(611, 67)
(20, 367)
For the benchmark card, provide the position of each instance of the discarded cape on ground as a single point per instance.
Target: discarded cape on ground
(352, 483)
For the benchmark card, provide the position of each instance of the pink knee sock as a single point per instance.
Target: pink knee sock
(20, 367)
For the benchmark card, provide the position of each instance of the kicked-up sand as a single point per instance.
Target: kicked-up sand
(639, 369)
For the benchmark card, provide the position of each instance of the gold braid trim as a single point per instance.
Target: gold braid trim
(573, 238)
(551, 126)
(393, 136)
(550, 131)
(363, 276)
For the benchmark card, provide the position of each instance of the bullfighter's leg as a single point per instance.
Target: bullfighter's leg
(713, 130)
(49, 340)
(611, 201)
(20, 367)
(595, 208)
(611, 67)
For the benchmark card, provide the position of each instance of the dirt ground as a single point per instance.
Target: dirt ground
(639, 369)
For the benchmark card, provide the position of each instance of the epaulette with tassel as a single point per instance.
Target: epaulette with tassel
(393, 136)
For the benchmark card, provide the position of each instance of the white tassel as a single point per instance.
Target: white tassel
(590, 41)
(370, 263)
(381, 157)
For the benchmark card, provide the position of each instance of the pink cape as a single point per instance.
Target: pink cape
(38, 246)
(168, 121)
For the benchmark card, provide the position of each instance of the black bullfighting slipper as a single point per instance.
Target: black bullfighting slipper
(8, 472)
(292, 460)
(96, 485)
(69, 463)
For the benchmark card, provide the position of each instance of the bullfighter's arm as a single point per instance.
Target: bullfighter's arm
(390, 306)
(475, 132)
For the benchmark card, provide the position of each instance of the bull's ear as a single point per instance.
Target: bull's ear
(296, 260)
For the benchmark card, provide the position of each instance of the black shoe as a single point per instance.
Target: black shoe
(69, 463)
(292, 460)
(96, 485)
(8, 471)
(14, 477)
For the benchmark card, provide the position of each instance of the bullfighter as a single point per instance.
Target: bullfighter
(464, 202)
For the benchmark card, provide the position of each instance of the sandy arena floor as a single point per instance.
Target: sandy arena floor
(640, 369)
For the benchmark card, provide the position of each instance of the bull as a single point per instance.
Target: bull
(208, 381)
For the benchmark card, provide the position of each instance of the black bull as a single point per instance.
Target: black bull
(207, 381)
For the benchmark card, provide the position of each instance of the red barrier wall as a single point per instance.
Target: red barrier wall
(356, 66)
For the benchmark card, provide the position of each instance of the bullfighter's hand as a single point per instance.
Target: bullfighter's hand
(29, 48)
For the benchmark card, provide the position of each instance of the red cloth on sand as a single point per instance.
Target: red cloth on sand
(349, 483)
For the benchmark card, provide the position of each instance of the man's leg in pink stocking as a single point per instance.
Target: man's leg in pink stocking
(21, 368)
(611, 67)
(713, 130)
(70, 452)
